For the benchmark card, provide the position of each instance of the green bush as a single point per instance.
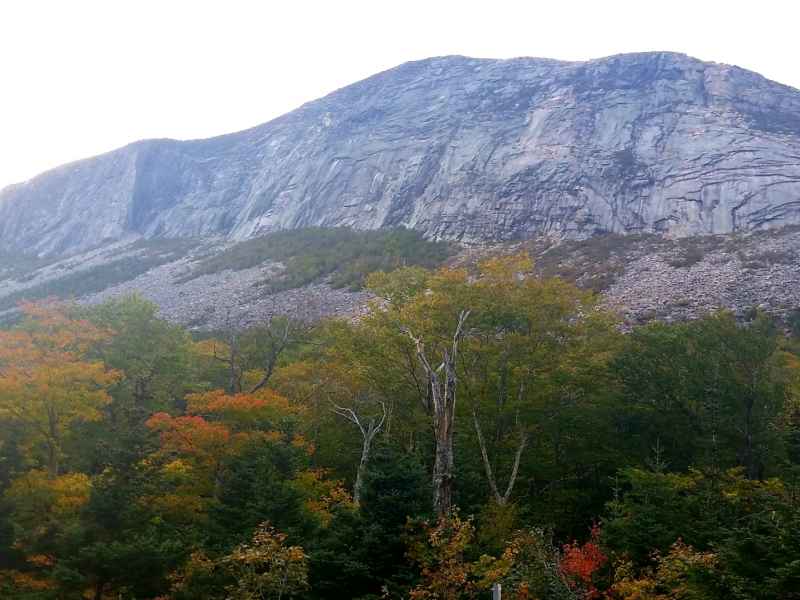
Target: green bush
(344, 255)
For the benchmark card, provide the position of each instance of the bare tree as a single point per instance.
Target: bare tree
(369, 425)
(442, 382)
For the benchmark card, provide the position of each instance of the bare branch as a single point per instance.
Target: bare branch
(487, 465)
(515, 469)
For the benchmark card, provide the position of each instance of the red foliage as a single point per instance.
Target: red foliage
(579, 563)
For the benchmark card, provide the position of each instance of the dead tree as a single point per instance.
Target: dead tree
(442, 382)
(369, 426)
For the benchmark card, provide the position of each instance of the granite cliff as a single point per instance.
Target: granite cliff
(459, 148)
(668, 184)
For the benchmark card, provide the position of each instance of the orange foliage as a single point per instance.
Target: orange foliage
(439, 551)
(265, 404)
(192, 436)
(28, 582)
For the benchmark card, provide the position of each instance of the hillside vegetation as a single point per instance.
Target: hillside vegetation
(345, 256)
(481, 428)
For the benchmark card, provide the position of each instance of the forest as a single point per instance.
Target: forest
(480, 425)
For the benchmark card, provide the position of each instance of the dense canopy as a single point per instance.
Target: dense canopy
(480, 425)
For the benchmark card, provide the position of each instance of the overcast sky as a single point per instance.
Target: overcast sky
(80, 77)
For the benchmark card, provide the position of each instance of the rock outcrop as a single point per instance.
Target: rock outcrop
(459, 148)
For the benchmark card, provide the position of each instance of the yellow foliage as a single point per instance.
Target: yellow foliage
(42, 496)
(41, 503)
(322, 495)
(670, 579)
(46, 380)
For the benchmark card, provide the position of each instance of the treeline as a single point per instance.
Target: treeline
(479, 426)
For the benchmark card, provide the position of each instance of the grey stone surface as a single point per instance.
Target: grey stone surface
(460, 148)
(238, 298)
(732, 273)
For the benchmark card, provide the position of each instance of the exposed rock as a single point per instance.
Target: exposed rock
(641, 278)
(460, 148)
(648, 277)
(214, 302)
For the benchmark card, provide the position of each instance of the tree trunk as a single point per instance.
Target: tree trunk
(98, 590)
(487, 465)
(749, 459)
(52, 460)
(362, 469)
(369, 428)
(443, 465)
(443, 402)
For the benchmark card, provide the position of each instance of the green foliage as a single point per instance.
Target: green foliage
(257, 485)
(707, 393)
(136, 462)
(748, 528)
(344, 255)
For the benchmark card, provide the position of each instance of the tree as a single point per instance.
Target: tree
(369, 425)
(47, 383)
(747, 529)
(581, 562)
(264, 567)
(683, 573)
(435, 323)
(507, 342)
(154, 356)
(531, 567)
(250, 356)
(533, 347)
(708, 393)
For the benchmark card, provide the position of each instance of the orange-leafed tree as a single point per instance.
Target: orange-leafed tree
(192, 455)
(261, 410)
(47, 381)
(198, 448)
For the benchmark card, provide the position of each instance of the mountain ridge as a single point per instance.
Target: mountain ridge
(476, 150)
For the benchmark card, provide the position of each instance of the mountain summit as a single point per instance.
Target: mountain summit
(458, 148)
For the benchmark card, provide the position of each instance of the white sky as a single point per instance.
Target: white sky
(80, 77)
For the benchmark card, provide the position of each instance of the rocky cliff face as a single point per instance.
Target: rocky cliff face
(460, 148)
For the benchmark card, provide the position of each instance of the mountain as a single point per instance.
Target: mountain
(670, 185)
(458, 148)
